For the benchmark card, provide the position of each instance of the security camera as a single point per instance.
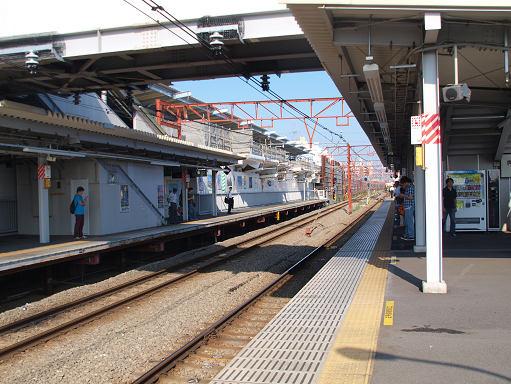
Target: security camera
(456, 92)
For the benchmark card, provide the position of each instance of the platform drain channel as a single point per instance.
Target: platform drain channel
(294, 346)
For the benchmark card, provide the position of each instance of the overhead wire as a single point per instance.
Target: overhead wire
(158, 8)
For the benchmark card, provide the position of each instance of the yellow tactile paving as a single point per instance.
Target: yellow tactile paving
(351, 358)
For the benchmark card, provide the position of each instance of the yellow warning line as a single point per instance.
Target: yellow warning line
(351, 358)
(213, 219)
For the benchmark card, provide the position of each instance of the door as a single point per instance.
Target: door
(84, 183)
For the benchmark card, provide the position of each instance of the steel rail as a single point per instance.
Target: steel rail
(154, 374)
(53, 332)
(38, 317)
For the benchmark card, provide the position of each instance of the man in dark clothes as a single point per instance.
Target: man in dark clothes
(449, 206)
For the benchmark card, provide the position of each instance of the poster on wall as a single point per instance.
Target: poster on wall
(160, 196)
(244, 182)
(240, 182)
(250, 182)
(125, 200)
(221, 182)
(205, 184)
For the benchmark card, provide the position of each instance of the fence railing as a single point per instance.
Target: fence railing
(8, 216)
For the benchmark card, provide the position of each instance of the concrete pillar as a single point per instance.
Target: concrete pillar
(433, 172)
(213, 203)
(420, 211)
(44, 210)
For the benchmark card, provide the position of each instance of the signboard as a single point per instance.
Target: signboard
(125, 200)
(416, 130)
(160, 196)
(44, 172)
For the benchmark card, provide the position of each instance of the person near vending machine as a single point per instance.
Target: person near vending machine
(408, 196)
(449, 206)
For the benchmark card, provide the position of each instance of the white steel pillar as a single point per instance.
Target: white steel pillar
(44, 210)
(420, 211)
(213, 185)
(433, 172)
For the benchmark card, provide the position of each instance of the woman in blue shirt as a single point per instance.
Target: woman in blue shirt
(79, 202)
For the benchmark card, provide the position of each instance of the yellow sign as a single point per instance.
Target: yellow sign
(418, 156)
(388, 319)
(47, 183)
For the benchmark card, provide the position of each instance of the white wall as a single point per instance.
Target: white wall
(59, 199)
(140, 216)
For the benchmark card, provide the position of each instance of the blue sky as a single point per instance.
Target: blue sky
(308, 85)
(35, 18)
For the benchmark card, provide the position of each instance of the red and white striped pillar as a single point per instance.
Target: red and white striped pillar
(431, 138)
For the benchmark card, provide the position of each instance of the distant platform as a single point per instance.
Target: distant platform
(22, 252)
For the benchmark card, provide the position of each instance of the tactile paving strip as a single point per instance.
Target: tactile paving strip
(294, 346)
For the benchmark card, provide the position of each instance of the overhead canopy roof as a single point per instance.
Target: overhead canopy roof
(79, 137)
(138, 55)
(344, 34)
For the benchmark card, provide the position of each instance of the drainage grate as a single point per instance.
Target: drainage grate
(293, 347)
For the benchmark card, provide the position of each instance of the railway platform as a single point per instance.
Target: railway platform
(23, 252)
(363, 318)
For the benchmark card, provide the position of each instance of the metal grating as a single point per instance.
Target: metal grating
(294, 346)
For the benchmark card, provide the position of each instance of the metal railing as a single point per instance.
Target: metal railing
(8, 216)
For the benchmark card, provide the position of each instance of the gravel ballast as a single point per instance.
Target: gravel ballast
(123, 344)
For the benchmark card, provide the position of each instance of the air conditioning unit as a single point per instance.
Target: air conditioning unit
(456, 92)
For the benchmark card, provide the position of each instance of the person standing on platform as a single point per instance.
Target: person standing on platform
(79, 202)
(408, 196)
(172, 200)
(449, 206)
(399, 202)
(231, 200)
(191, 205)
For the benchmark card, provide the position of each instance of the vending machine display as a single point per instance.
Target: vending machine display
(471, 199)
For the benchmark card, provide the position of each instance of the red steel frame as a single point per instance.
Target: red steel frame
(338, 150)
(261, 113)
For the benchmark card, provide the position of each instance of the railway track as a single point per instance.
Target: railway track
(214, 259)
(206, 354)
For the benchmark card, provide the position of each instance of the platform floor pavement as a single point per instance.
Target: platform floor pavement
(463, 336)
(15, 242)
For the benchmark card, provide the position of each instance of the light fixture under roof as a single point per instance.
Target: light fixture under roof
(372, 74)
(379, 110)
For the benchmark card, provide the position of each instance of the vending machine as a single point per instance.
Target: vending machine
(493, 205)
(471, 199)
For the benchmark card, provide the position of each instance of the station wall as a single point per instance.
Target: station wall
(104, 203)
(8, 180)
(137, 215)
